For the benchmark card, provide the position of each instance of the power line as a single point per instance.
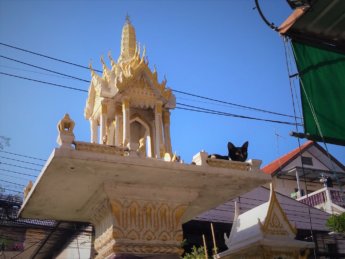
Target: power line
(177, 91)
(5, 175)
(20, 166)
(21, 161)
(11, 190)
(233, 104)
(45, 69)
(16, 154)
(194, 108)
(45, 56)
(15, 172)
(22, 185)
(43, 82)
(210, 111)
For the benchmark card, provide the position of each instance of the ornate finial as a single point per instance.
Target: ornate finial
(65, 129)
(128, 42)
(66, 125)
(128, 20)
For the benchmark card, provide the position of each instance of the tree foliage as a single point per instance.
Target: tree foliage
(4, 142)
(197, 253)
(336, 223)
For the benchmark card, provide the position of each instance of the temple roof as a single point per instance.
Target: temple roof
(265, 225)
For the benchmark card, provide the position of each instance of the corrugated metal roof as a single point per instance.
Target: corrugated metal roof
(321, 24)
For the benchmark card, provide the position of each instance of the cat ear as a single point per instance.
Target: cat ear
(245, 145)
(230, 145)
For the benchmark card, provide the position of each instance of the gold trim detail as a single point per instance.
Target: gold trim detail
(142, 227)
(99, 148)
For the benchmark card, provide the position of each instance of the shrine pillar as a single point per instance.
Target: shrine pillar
(103, 123)
(118, 125)
(158, 129)
(111, 134)
(166, 123)
(126, 121)
(94, 130)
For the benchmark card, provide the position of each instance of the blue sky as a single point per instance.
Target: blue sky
(215, 48)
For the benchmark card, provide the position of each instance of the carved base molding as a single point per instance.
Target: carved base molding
(139, 227)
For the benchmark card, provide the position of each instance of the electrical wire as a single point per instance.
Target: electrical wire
(16, 154)
(205, 110)
(22, 185)
(177, 91)
(45, 69)
(269, 24)
(192, 108)
(46, 56)
(20, 166)
(11, 190)
(299, 145)
(43, 82)
(2, 174)
(14, 172)
(232, 104)
(21, 161)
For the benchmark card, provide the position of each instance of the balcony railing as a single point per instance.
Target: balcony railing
(316, 198)
(323, 196)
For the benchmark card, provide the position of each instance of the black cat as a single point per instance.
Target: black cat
(235, 153)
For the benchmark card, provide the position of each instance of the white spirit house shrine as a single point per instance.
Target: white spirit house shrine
(125, 181)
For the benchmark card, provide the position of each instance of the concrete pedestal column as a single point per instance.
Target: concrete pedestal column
(134, 221)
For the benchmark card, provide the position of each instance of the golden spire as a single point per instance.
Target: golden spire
(128, 41)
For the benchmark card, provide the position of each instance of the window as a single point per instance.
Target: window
(332, 248)
(307, 160)
(302, 191)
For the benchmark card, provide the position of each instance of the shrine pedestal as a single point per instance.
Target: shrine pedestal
(137, 205)
(140, 220)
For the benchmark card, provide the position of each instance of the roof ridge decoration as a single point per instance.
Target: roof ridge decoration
(273, 224)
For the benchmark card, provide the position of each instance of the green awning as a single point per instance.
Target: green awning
(322, 83)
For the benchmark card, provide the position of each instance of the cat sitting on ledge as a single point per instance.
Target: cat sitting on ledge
(235, 153)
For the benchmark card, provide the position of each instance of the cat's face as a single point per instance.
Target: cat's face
(238, 153)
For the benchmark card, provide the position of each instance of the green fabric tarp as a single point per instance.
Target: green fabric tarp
(322, 82)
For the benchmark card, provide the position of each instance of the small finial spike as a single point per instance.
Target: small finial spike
(102, 60)
(128, 20)
(144, 51)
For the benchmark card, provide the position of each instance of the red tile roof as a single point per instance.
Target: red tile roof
(282, 161)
